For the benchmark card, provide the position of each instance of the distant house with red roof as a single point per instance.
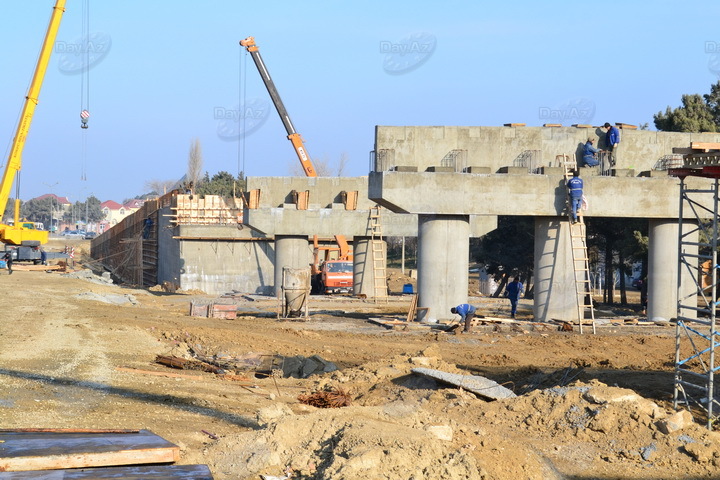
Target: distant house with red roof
(134, 205)
(61, 201)
(114, 212)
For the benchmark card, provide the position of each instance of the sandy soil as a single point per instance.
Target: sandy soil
(70, 360)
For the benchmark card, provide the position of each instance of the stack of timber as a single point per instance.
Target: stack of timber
(91, 454)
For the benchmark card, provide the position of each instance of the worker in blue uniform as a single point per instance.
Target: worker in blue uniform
(466, 312)
(612, 139)
(589, 158)
(575, 190)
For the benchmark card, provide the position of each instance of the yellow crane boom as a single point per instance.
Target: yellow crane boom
(24, 233)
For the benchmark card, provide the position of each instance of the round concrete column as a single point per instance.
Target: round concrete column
(555, 295)
(663, 269)
(443, 250)
(364, 266)
(290, 251)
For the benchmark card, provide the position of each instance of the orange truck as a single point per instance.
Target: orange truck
(332, 268)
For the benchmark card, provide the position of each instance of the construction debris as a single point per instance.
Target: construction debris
(331, 398)
(295, 367)
(212, 309)
(184, 364)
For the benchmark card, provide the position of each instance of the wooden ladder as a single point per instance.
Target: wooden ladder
(379, 261)
(580, 258)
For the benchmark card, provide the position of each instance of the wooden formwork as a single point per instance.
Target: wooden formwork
(209, 210)
(130, 248)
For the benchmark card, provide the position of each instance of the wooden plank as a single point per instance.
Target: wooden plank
(156, 472)
(552, 124)
(37, 268)
(705, 145)
(23, 451)
(67, 430)
(513, 124)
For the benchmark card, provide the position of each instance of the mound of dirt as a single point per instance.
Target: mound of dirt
(404, 426)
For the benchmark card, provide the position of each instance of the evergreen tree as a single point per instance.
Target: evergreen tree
(693, 116)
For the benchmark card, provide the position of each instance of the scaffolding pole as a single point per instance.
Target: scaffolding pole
(696, 335)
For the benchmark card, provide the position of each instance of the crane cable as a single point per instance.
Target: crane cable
(85, 84)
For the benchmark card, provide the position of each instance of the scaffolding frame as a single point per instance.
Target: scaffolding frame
(696, 328)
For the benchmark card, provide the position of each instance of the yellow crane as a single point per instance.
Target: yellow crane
(23, 233)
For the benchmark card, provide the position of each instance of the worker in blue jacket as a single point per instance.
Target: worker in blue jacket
(612, 140)
(589, 158)
(466, 312)
(512, 293)
(575, 190)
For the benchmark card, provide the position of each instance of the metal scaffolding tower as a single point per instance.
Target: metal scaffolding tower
(696, 335)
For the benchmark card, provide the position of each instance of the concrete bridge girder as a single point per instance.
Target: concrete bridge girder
(446, 195)
(275, 217)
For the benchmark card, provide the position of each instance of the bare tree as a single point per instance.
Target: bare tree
(342, 163)
(160, 187)
(195, 162)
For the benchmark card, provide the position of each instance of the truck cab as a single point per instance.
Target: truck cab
(336, 276)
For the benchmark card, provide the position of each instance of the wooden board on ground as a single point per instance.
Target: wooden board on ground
(508, 321)
(394, 323)
(586, 321)
(36, 268)
(473, 383)
(157, 472)
(22, 451)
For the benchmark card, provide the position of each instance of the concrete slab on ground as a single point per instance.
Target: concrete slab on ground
(476, 384)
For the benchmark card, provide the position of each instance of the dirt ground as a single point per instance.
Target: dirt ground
(587, 406)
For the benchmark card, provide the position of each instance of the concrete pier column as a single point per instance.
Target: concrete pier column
(364, 266)
(290, 251)
(554, 274)
(443, 250)
(663, 269)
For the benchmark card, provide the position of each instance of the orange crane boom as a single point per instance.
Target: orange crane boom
(293, 136)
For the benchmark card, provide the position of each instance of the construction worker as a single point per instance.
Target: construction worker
(466, 312)
(8, 261)
(612, 140)
(589, 158)
(512, 292)
(575, 190)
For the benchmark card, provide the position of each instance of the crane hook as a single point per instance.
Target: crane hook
(84, 116)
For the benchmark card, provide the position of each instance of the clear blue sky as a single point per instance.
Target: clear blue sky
(174, 66)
